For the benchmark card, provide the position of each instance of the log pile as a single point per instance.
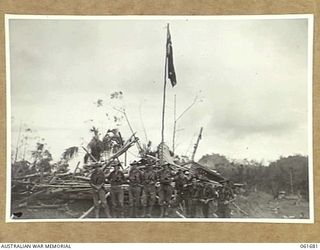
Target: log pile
(30, 190)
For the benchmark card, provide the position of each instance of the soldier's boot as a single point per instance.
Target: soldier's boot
(107, 212)
(96, 211)
(162, 211)
(131, 212)
(144, 211)
(113, 212)
(121, 212)
(139, 212)
(134, 212)
(166, 214)
(149, 211)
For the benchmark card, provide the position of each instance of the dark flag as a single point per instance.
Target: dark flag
(171, 71)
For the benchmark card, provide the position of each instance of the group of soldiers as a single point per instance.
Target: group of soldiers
(174, 191)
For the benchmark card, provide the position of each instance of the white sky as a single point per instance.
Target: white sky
(250, 77)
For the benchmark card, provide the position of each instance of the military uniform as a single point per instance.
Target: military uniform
(193, 195)
(149, 179)
(116, 179)
(208, 195)
(225, 195)
(97, 180)
(181, 182)
(135, 179)
(166, 190)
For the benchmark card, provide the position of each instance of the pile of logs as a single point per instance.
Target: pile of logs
(31, 189)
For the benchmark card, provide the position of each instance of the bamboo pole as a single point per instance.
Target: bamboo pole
(196, 145)
(130, 127)
(91, 156)
(75, 170)
(180, 215)
(242, 211)
(164, 92)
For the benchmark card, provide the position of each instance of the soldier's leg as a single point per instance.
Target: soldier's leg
(183, 203)
(176, 200)
(104, 204)
(198, 209)
(162, 200)
(144, 201)
(168, 196)
(116, 207)
(192, 208)
(136, 200)
(140, 206)
(210, 209)
(95, 197)
(205, 211)
(221, 210)
(152, 193)
(137, 196)
(121, 201)
(214, 209)
(113, 195)
(227, 211)
(187, 203)
(131, 201)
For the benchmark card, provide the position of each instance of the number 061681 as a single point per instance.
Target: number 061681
(305, 246)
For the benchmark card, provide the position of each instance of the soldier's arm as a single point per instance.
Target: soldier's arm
(93, 185)
(91, 181)
(142, 177)
(123, 177)
(99, 186)
(108, 177)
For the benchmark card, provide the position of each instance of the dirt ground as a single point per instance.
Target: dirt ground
(255, 205)
(263, 205)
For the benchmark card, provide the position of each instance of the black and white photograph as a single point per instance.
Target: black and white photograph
(159, 118)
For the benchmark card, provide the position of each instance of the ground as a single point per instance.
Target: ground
(263, 205)
(255, 205)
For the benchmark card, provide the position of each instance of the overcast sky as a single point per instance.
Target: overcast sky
(250, 77)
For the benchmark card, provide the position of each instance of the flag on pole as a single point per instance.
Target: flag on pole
(171, 71)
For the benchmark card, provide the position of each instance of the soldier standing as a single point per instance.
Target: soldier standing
(166, 190)
(181, 182)
(208, 195)
(149, 179)
(225, 196)
(97, 180)
(116, 179)
(135, 184)
(193, 195)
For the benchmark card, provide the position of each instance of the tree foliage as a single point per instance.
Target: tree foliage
(284, 174)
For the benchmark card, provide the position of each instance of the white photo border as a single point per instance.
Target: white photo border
(309, 17)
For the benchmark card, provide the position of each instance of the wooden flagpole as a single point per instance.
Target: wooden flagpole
(164, 91)
(174, 123)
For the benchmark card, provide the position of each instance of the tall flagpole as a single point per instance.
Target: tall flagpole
(164, 88)
(174, 122)
(164, 99)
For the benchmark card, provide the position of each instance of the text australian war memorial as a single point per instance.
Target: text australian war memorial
(102, 179)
